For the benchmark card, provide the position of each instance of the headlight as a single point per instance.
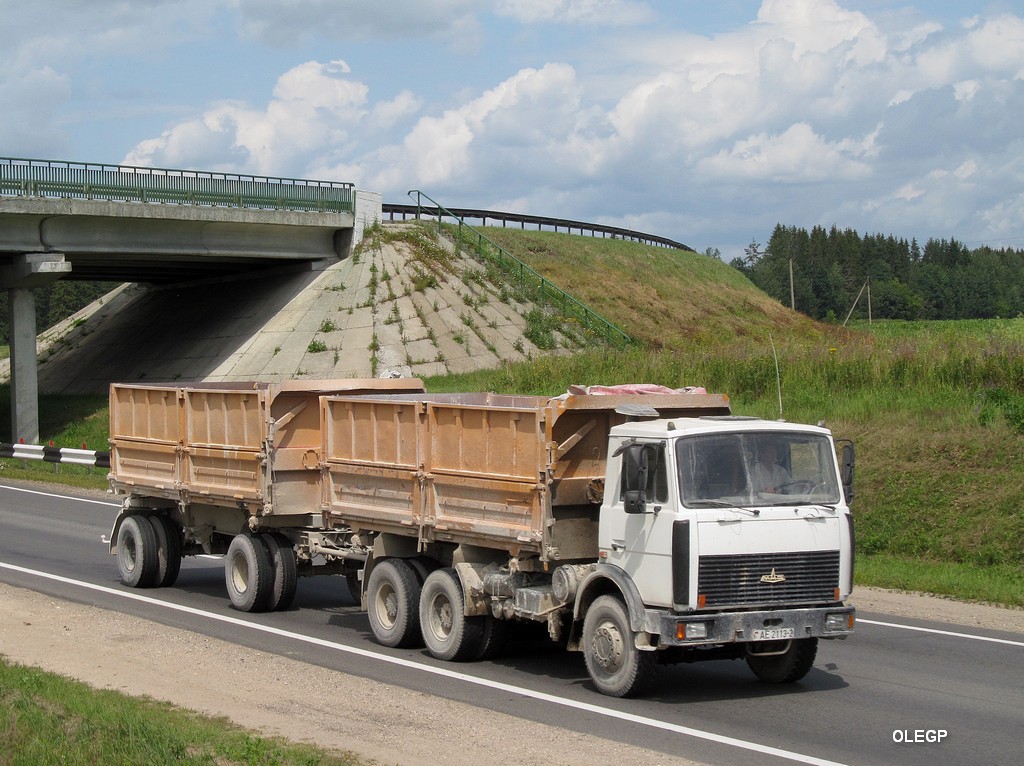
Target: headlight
(690, 631)
(837, 622)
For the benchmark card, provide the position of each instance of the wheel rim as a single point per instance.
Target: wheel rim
(609, 647)
(130, 553)
(387, 606)
(441, 617)
(240, 574)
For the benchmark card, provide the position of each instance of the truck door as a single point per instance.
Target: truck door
(640, 541)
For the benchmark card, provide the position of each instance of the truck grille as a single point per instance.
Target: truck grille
(768, 578)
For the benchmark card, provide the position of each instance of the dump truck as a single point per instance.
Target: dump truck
(640, 528)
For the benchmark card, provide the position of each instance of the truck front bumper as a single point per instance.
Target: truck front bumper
(699, 628)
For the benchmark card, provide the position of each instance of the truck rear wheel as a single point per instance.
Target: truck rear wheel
(248, 573)
(137, 552)
(448, 633)
(494, 638)
(286, 576)
(615, 665)
(168, 539)
(792, 665)
(392, 600)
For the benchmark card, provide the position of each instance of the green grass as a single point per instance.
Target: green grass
(996, 584)
(49, 719)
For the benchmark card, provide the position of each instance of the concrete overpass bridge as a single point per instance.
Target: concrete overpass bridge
(90, 222)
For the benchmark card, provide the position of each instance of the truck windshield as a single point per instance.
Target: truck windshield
(756, 468)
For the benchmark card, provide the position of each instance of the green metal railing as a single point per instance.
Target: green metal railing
(531, 284)
(124, 183)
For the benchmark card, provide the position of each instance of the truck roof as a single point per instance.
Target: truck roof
(673, 427)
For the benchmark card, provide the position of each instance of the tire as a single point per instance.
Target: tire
(285, 568)
(392, 601)
(168, 537)
(494, 638)
(795, 663)
(248, 573)
(447, 632)
(138, 557)
(615, 665)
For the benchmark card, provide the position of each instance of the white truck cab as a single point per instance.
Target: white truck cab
(736, 533)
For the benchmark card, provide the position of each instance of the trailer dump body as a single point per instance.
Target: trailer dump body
(253, 446)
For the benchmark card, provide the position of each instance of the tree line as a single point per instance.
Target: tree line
(832, 267)
(56, 302)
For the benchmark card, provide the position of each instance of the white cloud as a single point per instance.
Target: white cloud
(313, 106)
(798, 154)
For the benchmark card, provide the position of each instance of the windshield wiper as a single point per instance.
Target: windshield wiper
(728, 505)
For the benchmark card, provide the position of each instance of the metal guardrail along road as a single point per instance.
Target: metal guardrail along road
(125, 183)
(51, 454)
(570, 226)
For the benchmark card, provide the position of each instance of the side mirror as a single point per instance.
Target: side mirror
(846, 460)
(635, 501)
(634, 476)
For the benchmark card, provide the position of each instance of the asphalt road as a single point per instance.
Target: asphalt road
(886, 683)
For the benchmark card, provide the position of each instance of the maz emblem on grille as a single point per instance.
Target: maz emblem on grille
(773, 578)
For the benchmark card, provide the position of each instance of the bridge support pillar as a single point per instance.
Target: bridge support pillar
(24, 275)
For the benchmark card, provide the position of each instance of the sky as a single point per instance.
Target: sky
(705, 121)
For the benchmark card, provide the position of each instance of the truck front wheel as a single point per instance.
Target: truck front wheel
(787, 667)
(392, 601)
(615, 665)
(448, 633)
(248, 573)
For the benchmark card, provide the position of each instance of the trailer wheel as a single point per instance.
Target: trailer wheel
(792, 665)
(615, 665)
(137, 552)
(392, 597)
(286, 576)
(168, 538)
(248, 573)
(448, 633)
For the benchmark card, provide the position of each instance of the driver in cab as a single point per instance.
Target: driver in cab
(769, 475)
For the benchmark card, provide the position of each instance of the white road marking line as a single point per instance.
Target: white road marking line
(62, 497)
(861, 621)
(446, 673)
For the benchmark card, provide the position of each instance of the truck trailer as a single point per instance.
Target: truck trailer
(640, 528)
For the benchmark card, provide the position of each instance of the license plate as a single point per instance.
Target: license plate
(773, 634)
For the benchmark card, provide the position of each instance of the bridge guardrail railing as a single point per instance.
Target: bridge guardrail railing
(536, 287)
(126, 183)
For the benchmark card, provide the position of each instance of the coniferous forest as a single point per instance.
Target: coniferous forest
(943, 280)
